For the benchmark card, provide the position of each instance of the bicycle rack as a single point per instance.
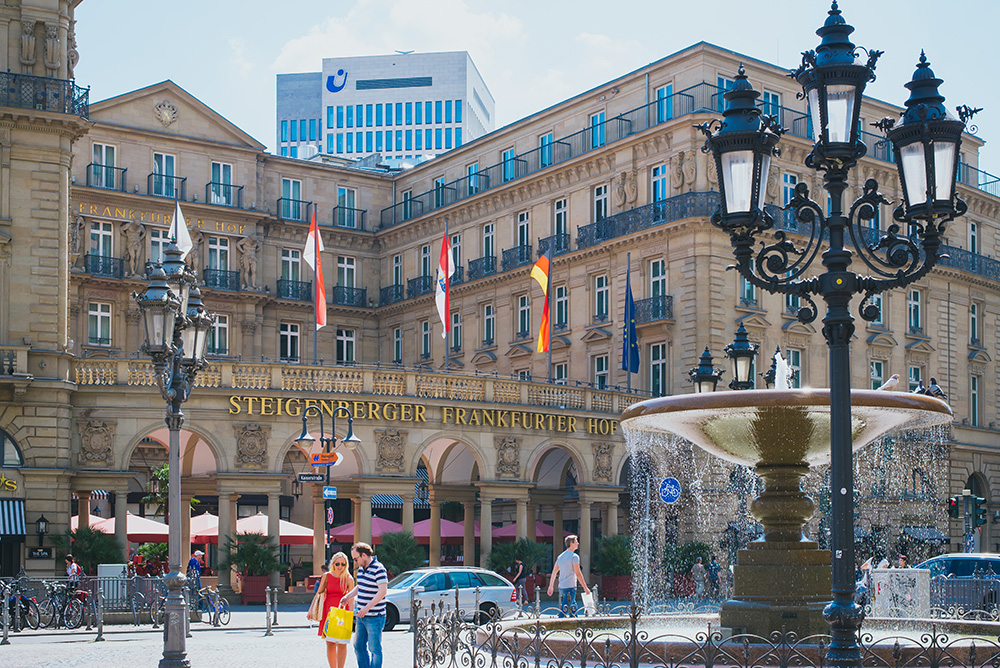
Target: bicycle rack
(274, 608)
(4, 591)
(267, 610)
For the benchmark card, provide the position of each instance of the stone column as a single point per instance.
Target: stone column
(469, 539)
(365, 530)
(434, 557)
(319, 530)
(273, 527)
(227, 511)
(356, 518)
(611, 523)
(532, 522)
(121, 519)
(83, 509)
(521, 518)
(185, 530)
(557, 531)
(585, 541)
(407, 512)
(485, 532)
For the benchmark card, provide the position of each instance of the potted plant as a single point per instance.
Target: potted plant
(400, 552)
(90, 547)
(614, 562)
(678, 560)
(254, 557)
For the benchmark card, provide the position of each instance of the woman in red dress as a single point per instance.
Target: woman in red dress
(335, 583)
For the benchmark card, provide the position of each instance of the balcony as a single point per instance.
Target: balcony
(224, 194)
(171, 187)
(297, 290)
(294, 210)
(679, 207)
(654, 309)
(345, 296)
(348, 218)
(220, 279)
(483, 267)
(104, 265)
(420, 285)
(390, 294)
(558, 242)
(107, 177)
(62, 96)
(458, 277)
(518, 256)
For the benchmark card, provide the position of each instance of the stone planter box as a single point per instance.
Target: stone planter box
(253, 588)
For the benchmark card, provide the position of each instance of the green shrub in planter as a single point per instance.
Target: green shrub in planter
(250, 554)
(531, 553)
(399, 552)
(680, 558)
(614, 556)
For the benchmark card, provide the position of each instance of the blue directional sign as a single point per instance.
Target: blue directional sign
(670, 490)
(329, 492)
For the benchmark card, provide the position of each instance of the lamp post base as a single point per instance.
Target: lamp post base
(174, 627)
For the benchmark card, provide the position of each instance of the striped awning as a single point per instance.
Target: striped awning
(96, 494)
(395, 501)
(12, 517)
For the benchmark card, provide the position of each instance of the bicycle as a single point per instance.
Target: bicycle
(210, 601)
(60, 607)
(22, 609)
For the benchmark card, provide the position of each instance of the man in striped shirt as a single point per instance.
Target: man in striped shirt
(372, 584)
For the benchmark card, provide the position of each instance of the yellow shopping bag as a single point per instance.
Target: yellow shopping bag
(339, 623)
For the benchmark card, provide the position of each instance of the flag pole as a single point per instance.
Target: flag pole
(315, 287)
(447, 343)
(547, 295)
(628, 329)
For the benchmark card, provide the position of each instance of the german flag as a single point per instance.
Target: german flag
(540, 272)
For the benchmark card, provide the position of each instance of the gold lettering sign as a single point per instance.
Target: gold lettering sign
(156, 217)
(402, 412)
(6, 484)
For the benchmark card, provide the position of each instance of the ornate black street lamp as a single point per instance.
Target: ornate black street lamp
(926, 145)
(742, 354)
(175, 330)
(329, 444)
(41, 528)
(706, 375)
(772, 371)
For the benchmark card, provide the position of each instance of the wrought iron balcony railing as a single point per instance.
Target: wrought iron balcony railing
(391, 294)
(345, 296)
(224, 194)
(518, 256)
(559, 243)
(221, 279)
(420, 285)
(482, 267)
(104, 265)
(26, 91)
(679, 207)
(107, 177)
(297, 290)
(346, 217)
(295, 210)
(161, 185)
(458, 277)
(653, 309)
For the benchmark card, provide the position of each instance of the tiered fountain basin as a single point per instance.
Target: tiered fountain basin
(782, 580)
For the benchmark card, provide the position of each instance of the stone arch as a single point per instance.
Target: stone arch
(550, 455)
(10, 453)
(158, 432)
(978, 485)
(353, 465)
(445, 456)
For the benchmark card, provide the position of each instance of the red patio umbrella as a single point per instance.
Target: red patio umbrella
(289, 533)
(93, 521)
(138, 529)
(345, 532)
(543, 532)
(452, 533)
(205, 528)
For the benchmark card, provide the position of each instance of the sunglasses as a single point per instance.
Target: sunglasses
(339, 563)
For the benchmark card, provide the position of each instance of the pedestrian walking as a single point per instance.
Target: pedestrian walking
(370, 591)
(194, 574)
(567, 569)
(699, 573)
(73, 572)
(520, 577)
(335, 583)
(713, 570)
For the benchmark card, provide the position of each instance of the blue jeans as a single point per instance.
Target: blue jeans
(368, 641)
(567, 602)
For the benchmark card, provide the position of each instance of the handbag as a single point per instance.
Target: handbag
(315, 612)
(588, 604)
(339, 624)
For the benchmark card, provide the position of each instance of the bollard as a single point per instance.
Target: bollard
(6, 615)
(217, 604)
(100, 616)
(274, 607)
(187, 613)
(267, 610)
(16, 593)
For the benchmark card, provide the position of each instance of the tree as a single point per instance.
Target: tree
(159, 486)
(531, 553)
(91, 547)
(614, 556)
(154, 551)
(400, 552)
(250, 554)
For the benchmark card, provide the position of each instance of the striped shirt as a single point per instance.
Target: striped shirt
(368, 581)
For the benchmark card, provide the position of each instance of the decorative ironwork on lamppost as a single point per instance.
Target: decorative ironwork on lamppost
(742, 354)
(329, 444)
(772, 371)
(175, 329)
(926, 145)
(706, 375)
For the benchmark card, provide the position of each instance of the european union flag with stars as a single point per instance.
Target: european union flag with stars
(630, 342)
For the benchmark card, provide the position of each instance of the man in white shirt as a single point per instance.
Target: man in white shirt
(567, 568)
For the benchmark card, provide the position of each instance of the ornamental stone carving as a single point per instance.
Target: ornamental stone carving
(508, 457)
(165, 112)
(389, 445)
(97, 440)
(602, 461)
(626, 190)
(251, 445)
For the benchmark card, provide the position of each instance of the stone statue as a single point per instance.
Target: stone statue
(72, 55)
(134, 234)
(75, 229)
(27, 45)
(194, 255)
(248, 247)
(52, 59)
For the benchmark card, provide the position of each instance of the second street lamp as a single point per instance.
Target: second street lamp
(742, 354)
(705, 376)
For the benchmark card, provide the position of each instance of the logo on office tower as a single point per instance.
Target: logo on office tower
(331, 81)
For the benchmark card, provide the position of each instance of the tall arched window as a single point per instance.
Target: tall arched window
(10, 454)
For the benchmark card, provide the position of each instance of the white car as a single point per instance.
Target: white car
(437, 585)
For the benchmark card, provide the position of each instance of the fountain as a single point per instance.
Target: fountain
(781, 580)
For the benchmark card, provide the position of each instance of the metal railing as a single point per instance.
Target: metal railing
(458, 277)
(421, 285)
(345, 296)
(224, 194)
(26, 91)
(162, 185)
(221, 279)
(482, 267)
(348, 218)
(652, 309)
(558, 242)
(107, 177)
(518, 256)
(104, 265)
(391, 294)
(297, 290)
(686, 205)
(295, 210)
(977, 178)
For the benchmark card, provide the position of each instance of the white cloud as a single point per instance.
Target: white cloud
(238, 58)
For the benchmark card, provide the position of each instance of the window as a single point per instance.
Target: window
(369, 115)
(771, 104)
(103, 173)
(437, 112)
(447, 111)
(664, 103)
(291, 264)
(425, 260)
(914, 317)
(488, 325)
(397, 269)
(101, 239)
(345, 346)
(658, 369)
(657, 277)
(284, 130)
(378, 115)
(409, 112)
(562, 306)
(724, 84)
(601, 372)
(218, 336)
(975, 332)
(291, 199)
(473, 180)
(794, 368)
(456, 249)
(659, 176)
(407, 204)
(288, 342)
(222, 182)
(524, 374)
(345, 272)
(600, 202)
(545, 150)
(560, 373)
(420, 113)
(792, 303)
(458, 111)
(312, 129)
(488, 240)
(456, 331)
(163, 175)
(597, 130)
(788, 183)
(397, 345)
(439, 192)
(99, 324)
(876, 301)
(877, 373)
(295, 131)
(973, 237)
(523, 316)
(10, 454)
(974, 402)
(340, 117)
(507, 158)
(158, 241)
(560, 215)
(350, 142)
(747, 293)
(523, 231)
(218, 253)
(347, 207)
(602, 295)
(914, 376)
(425, 339)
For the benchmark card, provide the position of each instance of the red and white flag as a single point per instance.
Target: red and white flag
(445, 270)
(314, 245)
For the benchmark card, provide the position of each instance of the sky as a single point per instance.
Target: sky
(531, 53)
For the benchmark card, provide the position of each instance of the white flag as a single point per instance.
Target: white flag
(179, 231)
(446, 268)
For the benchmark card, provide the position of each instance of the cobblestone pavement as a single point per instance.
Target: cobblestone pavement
(242, 643)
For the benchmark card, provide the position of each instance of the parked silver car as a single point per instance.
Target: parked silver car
(437, 585)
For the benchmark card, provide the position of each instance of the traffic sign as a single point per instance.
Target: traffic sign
(326, 458)
(312, 477)
(670, 490)
(329, 492)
